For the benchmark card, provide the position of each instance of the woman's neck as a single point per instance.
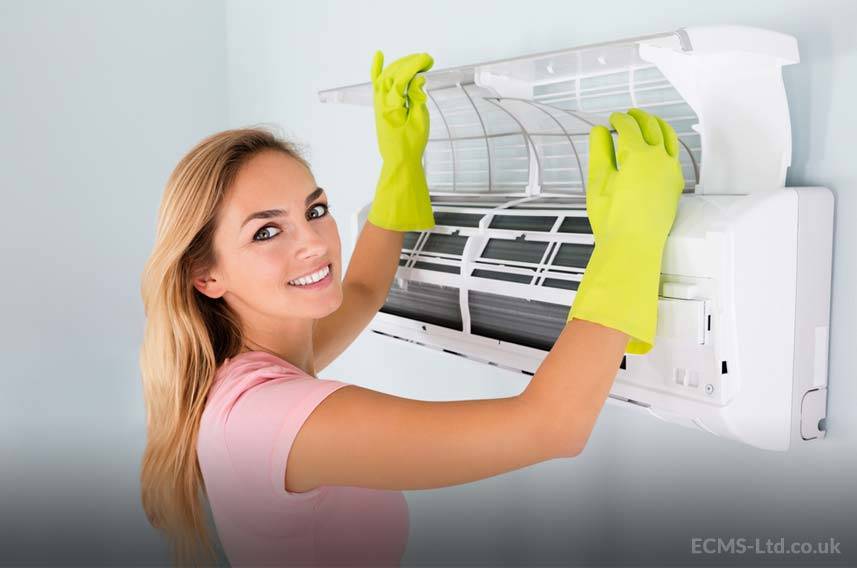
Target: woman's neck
(305, 366)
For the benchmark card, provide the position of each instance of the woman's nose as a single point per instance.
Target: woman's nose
(310, 241)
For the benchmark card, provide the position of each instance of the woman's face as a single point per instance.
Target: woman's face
(274, 227)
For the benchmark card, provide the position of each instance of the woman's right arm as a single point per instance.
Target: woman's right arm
(364, 438)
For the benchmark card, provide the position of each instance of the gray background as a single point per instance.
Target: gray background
(99, 100)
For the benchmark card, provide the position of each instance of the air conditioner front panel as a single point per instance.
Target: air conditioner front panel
(497, 288)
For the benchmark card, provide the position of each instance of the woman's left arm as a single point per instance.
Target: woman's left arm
(402, 202)
(375, 260)
(365, 286)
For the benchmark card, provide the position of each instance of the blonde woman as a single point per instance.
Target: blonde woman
(246, 304)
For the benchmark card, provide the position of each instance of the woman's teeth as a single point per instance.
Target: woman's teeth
(314, 277)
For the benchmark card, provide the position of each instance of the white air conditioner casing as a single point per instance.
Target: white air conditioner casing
(742, 339)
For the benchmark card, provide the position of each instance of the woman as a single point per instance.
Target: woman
(246, 304)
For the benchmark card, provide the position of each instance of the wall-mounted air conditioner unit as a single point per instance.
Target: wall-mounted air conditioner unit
(742, 340)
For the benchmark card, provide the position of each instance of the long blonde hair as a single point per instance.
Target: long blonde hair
(188, 335)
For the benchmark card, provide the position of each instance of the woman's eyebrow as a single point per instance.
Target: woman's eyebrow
(271, 213)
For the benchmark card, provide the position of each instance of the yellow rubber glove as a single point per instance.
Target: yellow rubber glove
(631, 209)
(402, 201)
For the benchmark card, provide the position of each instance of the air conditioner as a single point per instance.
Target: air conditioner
(742, 338)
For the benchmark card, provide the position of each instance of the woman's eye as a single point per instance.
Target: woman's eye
(326, 208)
(265, 229)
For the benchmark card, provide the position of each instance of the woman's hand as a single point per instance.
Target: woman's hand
(402, 201)
(631, 207)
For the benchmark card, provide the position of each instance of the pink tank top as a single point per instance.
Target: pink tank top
(253, 413)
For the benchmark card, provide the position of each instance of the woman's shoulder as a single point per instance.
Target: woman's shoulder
(256, 391)
(249, 362)
(246, 371)
(266, 375)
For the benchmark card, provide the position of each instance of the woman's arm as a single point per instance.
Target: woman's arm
(364, 288)
(401, 203)
(364, 438)
(375, 260)
(573, 381)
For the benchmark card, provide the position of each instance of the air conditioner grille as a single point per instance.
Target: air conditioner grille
(445, 244)
(515, 250)
(505, 276)
(573, 255)
(456, 219)
(576, 225)
(531, 323)
(564, 284)
(429, 303)
(434, 266)
(523, 223)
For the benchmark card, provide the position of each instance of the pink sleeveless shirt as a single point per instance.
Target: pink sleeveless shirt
(253, 413)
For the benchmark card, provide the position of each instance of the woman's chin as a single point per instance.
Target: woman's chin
(332, 301)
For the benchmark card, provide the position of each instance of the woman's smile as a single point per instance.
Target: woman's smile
(309, 285)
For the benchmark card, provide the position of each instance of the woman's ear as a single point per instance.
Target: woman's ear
(208, 283)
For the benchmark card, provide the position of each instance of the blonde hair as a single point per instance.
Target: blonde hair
(188, 335)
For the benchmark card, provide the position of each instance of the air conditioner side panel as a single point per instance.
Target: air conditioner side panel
(815, 259)
(763, 286)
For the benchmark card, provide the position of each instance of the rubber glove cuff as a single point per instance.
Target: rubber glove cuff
(402, 201)
(614, 292)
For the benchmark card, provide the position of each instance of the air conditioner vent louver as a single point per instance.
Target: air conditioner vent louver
(437, 305)
(518, 251)
(522, 223)
(492, 274)
(499, 317)
(573, 255)
(745, 274)
(576, 225)
(457, 219)
(444, 244)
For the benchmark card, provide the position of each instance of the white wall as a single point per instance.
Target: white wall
(642, 488)
(98, 101)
